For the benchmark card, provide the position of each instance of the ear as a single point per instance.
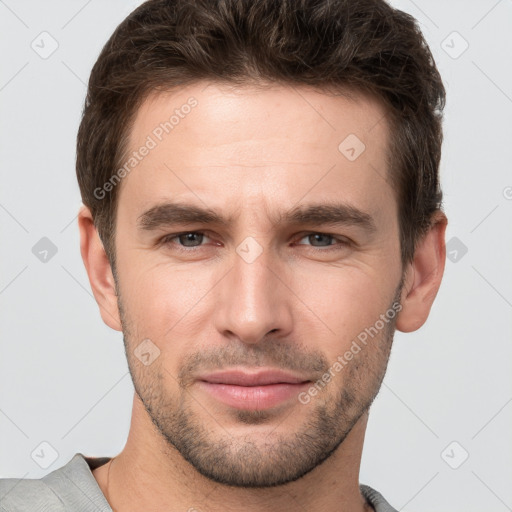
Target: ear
(98, 269)
(423, 276)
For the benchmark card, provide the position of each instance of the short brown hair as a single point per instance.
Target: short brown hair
(362, 45)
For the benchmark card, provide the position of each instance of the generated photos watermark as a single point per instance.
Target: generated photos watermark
(152, 141)
(355, 347)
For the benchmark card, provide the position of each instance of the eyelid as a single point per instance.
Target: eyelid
(171, 236)
(342, 240)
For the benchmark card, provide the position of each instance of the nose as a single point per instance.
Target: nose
(253, 300)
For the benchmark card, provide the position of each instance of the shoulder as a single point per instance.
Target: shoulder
(68, 488)
(27, 494)
(375, 499)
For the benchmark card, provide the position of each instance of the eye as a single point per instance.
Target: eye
(330, 241)
(189, 239)
(193, 240)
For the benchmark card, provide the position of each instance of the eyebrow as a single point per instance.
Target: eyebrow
(167, 214)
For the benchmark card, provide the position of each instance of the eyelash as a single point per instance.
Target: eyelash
(343, 242)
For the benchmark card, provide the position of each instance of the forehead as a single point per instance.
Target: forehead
(263, 144)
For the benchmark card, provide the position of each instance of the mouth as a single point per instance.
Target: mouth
(257, 390)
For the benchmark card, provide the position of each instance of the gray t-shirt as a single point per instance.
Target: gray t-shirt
(73, 488)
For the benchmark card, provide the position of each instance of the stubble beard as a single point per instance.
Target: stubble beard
(276, 458)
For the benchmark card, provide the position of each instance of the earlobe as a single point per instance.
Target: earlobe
(98, 269)
(423, 276)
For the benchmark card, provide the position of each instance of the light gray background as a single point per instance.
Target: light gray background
(63, 375)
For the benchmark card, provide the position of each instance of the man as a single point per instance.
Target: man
(261, 212)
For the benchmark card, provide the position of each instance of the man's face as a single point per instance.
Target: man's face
(276, 285)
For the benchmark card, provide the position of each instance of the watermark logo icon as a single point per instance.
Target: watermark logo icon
(44, 455)
(249, 250)
(454, 455)
(454, 45)
(455, 249)
(45, 45)
(146, 352)
(44, 250)
(351, 147)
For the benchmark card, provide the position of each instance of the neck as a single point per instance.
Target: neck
(149, 474)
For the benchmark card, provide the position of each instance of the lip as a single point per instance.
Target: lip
(262, 389)
(255, 378)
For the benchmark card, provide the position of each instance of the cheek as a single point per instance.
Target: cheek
(163, 301)
(343, 302)
(331, 305)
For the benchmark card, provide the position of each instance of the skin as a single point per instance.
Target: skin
(251, 154)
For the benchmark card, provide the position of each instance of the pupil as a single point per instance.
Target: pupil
(189, 237)
(316, 237)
